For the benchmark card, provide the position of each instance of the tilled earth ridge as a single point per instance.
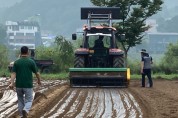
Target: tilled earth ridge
(135, 101)
(161, 101)
(8, 98)
(87, 103)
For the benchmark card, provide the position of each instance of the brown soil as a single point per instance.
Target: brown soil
(1, 94)
(160, 101)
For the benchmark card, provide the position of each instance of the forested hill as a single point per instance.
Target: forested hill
(60, 16)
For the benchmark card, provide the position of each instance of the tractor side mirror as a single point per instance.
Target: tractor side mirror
(74, 36)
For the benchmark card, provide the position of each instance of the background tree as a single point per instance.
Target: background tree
(65, 49)
(134, 14)
(170, 60)
(61, 53)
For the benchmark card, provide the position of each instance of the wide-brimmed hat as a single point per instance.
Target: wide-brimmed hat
(143, 51)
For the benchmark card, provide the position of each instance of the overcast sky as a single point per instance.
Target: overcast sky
(7, 3)
(171, 3)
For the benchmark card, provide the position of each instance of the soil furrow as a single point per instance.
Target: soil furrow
(125, 106)
(40, 105)
(62, 107)
(135, 106)
(86, 106)
(77, 105)
(81, 104)
(131, 111)
(114, 113)
(66, 107)
(91, 91)
(94, 105)
(9, 111)
(118, 105)
(108, 104)
(101, 105)
(56, 107)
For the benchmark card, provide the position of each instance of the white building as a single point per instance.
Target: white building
(25, 33)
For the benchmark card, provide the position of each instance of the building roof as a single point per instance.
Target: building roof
(23, 23)
(28, 23)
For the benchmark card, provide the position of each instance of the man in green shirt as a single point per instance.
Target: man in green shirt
(23, 70)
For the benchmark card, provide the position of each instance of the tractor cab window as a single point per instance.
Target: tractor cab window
(99, 41)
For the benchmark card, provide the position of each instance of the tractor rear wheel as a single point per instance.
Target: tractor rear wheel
(79, 62)
(118, 61)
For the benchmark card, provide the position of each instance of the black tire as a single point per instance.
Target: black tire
(118, 61)
(79, 62)
(46, 70)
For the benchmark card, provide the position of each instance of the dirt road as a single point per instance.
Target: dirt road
(161, 101)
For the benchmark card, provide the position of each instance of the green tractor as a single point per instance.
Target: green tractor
(99, 62)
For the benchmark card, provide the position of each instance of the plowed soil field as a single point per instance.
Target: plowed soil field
(60, 101)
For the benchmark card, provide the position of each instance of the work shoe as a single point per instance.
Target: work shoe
(24, 113)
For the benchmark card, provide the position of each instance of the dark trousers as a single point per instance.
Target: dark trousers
(147, 72)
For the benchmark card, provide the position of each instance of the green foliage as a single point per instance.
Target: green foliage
(157, 68)
(4, 57)
(61, 53)
(60, 76)
(134, 66)
(65, 50)
(170, 60)
(45, 52)
(133, 13)
(4, 72)
(167, 64)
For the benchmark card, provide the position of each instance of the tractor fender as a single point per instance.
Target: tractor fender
(81, 51)
(116, 51)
